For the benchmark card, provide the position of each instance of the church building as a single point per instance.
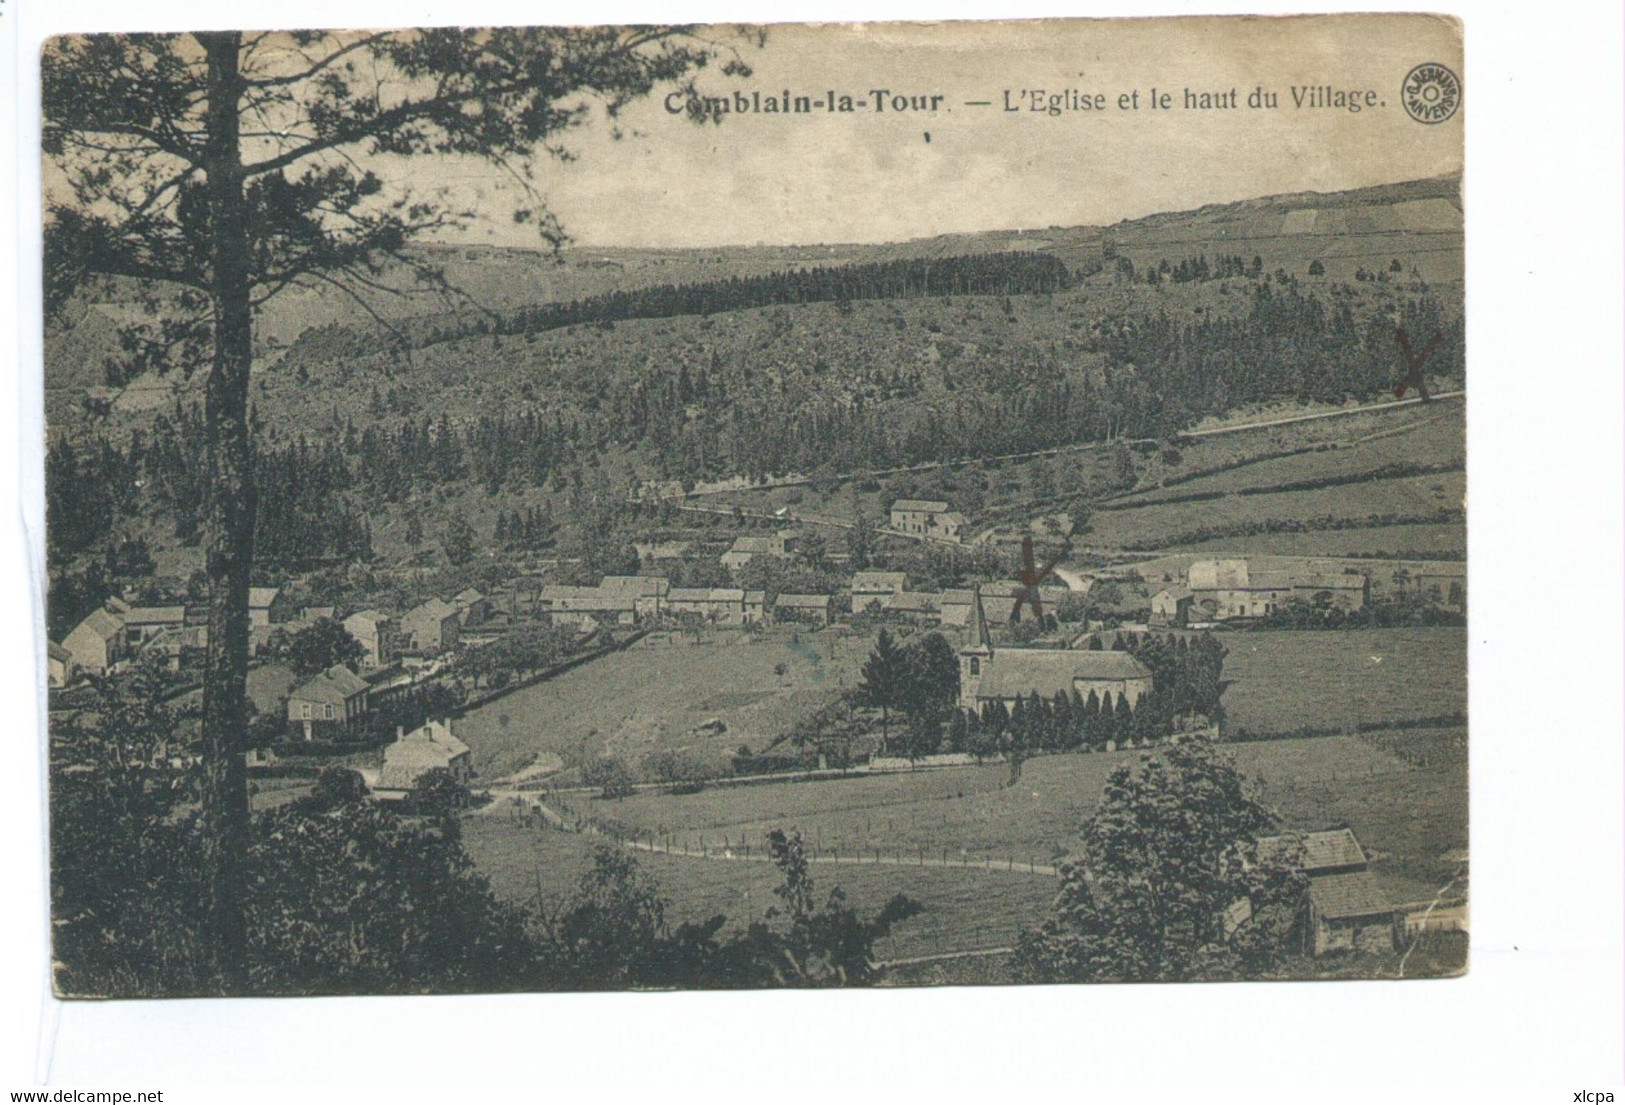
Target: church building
(987, 674)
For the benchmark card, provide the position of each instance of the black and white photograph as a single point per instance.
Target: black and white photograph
(542, 508)
(802, 589)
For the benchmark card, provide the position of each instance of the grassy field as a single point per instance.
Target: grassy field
(635, 702)
(1404, 794)
(1286, 681)
(1167, 524)
(963, 908)
(1445, 540)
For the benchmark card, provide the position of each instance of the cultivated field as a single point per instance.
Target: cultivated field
(1291, 680)
(648, 698)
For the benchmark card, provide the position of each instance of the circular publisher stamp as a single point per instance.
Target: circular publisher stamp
(1431, 92)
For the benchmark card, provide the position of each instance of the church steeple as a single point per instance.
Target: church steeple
(978, 621)
(976, 655)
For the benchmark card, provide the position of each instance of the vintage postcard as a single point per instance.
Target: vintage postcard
(664, 507)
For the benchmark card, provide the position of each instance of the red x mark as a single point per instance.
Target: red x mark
(1413, 366)
(1030, 579)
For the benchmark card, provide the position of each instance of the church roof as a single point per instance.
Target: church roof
(1014, 672)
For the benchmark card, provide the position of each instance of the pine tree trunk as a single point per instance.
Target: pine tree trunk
(230, 528)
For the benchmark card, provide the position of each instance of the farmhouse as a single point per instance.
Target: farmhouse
(720, 605)
(143, 623)
(378, 634)
(987, 675)
(97, 643)
(617, 599)
(268, 606)
(868, 587)
(1349, 913)
(1232, 588)
(419, 752)
(332, 706)
(431, 627)
(746, 549)
(1171, 606)
(1347, 909)
(473, 608)
(809, 609)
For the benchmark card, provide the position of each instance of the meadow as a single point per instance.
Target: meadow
(1409, 811)
(654, 697)
(1285, 681)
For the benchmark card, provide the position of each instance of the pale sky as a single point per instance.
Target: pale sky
(823, 177)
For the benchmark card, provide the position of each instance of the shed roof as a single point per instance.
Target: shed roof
(928, 506)
(1356, 894)
(1323, 850)
(804, 602)
(634, 587)
(878, 582)
(705, 594)
(155, 615)
(262, 597)
(433, 610)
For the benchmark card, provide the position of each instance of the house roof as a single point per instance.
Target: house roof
(1327, 582)
(705, 594)
(1013, 672)
(338, 684)
(1353, 895)
(755, 598)
(360, 617)
(433, 610)
(262, 596)
(804, 602)
(1177, 594)
(155, 615)
(315, 613)
(878, 582)
(952, 517)
(469, 595)
(1322, 851)
(420, 751)
(99, 623)
(913, 602)
(929, 506)
(634, 587)
(1206, 575)
(57, 652)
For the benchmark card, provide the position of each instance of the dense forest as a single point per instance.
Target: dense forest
(971, 274)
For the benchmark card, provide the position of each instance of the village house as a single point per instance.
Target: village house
(59, 666)
(143, 623)
(617, 600)
(755, 607)
(948, 527)
(1232, 588)
(1349, 913)
(268, 606)
(745, 549)
(804, 609)
(378, 634)
(430, 628)
(173, 645)
(97, 643)
(916, 516)
(1445, 584)
(987, 675)
(868, 587)
(473, 608)
(329, 707)
(1347, 908)
(1171, 606)
(719, 605)
(921, 607)
(413, 755)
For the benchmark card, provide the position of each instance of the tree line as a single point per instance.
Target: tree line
(1003, 273)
